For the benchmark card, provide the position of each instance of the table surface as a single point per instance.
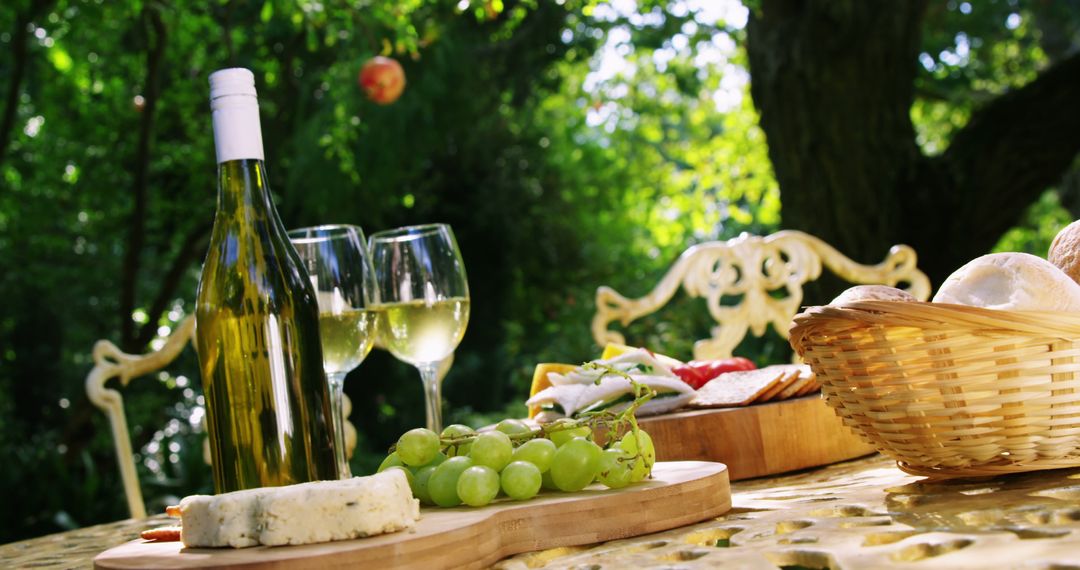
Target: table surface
(857, 514)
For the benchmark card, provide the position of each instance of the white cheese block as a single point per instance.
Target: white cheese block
(307, 513)
(220, 520)
(321, 512)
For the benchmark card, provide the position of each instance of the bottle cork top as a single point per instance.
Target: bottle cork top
(232, 81)
(235, 110)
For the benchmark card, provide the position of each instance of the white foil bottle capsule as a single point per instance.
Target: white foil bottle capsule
(235, 109)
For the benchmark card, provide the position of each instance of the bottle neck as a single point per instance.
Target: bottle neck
(242, 187)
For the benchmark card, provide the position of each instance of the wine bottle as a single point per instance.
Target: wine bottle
(257, 321)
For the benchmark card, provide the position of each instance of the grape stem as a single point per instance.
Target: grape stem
(612, 422)
(642, 394)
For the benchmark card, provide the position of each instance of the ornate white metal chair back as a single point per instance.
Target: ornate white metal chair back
(752, 267)
(111, 362)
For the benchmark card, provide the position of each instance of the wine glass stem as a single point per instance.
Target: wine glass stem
(429, 374)
(337, 402)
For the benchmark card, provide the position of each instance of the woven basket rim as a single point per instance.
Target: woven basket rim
(894, 369)
(928, 315)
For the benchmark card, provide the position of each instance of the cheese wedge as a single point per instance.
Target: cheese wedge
(589, 390)
(540, 380)
(613, 349)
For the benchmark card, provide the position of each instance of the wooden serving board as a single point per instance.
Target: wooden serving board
(757, 440)
(680, 493)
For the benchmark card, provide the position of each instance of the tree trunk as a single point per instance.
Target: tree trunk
(129, 338)
(20, 40)
(834, 83)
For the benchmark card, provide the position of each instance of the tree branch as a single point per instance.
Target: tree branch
(1012, 150)
(1054, 34)
(226, 33)
(1069, 190)
(137, 221)
(288, 117)
(20, 39)
(194, 244)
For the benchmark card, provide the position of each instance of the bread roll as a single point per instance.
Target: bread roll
(1011, 282)
(872, 293)
(1065, 250)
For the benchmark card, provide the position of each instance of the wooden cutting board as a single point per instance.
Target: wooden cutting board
(680, 493)
(757, 440)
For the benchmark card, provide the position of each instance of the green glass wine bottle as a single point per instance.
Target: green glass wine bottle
(257, 321)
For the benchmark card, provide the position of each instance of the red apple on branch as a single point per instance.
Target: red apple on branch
(382, 79)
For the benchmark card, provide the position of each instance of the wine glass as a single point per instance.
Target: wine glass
(337, 261)
(423, 301)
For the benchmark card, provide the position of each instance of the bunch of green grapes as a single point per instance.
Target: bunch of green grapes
(463, 466)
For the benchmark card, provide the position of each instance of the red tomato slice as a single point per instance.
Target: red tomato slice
(689, 375)
(697, 373)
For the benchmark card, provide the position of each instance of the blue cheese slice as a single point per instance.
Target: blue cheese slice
(307, 513)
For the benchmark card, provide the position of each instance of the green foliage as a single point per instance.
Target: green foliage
(570, 145)
(1041, 222)
(974, 51)
(554, 180)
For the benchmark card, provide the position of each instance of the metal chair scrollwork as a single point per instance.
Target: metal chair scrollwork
(111, 362)
(754, 267)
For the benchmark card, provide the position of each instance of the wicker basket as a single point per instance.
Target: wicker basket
(949, 390)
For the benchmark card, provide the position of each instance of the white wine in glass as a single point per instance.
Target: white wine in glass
(336, 259)
(347, 337)
(423, 301)
(417, 331)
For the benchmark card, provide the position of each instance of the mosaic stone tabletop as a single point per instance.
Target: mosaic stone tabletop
(854, 515)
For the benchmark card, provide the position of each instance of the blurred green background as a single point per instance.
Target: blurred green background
(570, 143)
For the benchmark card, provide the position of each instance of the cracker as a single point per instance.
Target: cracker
(814, 386)
(795, 387)
(772, 392)
(791, 374)
(736, 388)
(804, 379)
